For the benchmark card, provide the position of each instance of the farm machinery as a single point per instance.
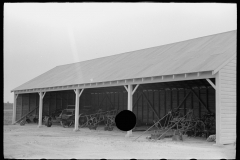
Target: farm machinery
(177, 125)
(88, 117)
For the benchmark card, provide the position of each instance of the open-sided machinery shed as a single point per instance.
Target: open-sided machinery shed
(149, 82)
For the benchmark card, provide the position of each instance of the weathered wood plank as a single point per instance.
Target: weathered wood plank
(230, 67)
(229, 71)
(229, 126)
(228, 82)
(228, 78)
(231, 64)
(229, 111)
(228, 89)
(230, 93)
(223, 96)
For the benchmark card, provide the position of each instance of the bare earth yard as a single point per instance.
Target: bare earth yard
(57, 142)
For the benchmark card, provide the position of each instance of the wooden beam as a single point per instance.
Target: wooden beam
(43, 94)
(125, 88)
(135, 89)
(213, 85)
(80, 92)
(200, 100)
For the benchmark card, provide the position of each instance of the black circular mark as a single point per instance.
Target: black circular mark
(125, 120)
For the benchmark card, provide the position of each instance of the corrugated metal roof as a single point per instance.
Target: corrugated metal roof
(195, 55)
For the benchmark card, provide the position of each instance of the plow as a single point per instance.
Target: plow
(176, 125)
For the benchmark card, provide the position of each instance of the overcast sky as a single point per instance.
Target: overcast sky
(40, 36)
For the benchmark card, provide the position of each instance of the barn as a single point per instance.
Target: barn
(199, 74)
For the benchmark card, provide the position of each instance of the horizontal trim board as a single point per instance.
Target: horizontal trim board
(203, 75)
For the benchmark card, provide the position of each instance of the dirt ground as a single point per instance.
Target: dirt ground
(57, 142)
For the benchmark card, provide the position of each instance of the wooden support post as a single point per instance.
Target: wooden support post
(218, 109)
(14, 107)
(129, 90)
(41, 96)
(76, 109)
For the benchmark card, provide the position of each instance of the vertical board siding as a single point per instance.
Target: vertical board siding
(168, 101)
(150, 113)
(156, 102)
(58, 101)
(228, 103)
(25, 103)
(162, 100)
(32, 101)
(188, 101)
(46, 104)
(53, 105)
(204, 100)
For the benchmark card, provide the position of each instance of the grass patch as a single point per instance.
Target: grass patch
(7, 117)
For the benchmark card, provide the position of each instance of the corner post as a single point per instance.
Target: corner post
(14, 108)
(218, 109)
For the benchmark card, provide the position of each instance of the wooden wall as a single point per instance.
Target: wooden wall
(161, 100)
(227, 104)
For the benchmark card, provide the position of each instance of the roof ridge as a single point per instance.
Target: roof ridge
(148, 48)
